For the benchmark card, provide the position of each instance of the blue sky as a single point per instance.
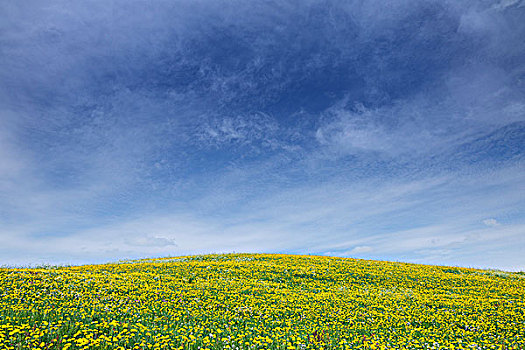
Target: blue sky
(390, 130)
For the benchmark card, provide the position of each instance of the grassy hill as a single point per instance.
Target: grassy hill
(256, 301)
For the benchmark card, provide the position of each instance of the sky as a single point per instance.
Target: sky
(390, 130)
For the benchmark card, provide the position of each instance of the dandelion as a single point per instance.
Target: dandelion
(258, 301)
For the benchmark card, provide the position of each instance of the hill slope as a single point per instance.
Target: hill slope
(255, 301)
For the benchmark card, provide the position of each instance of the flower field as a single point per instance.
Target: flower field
(256, 301)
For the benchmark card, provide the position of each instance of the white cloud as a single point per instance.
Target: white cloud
(473, 104)
(491, 222)
(255, 129)
(360, 250)
(151, 241)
